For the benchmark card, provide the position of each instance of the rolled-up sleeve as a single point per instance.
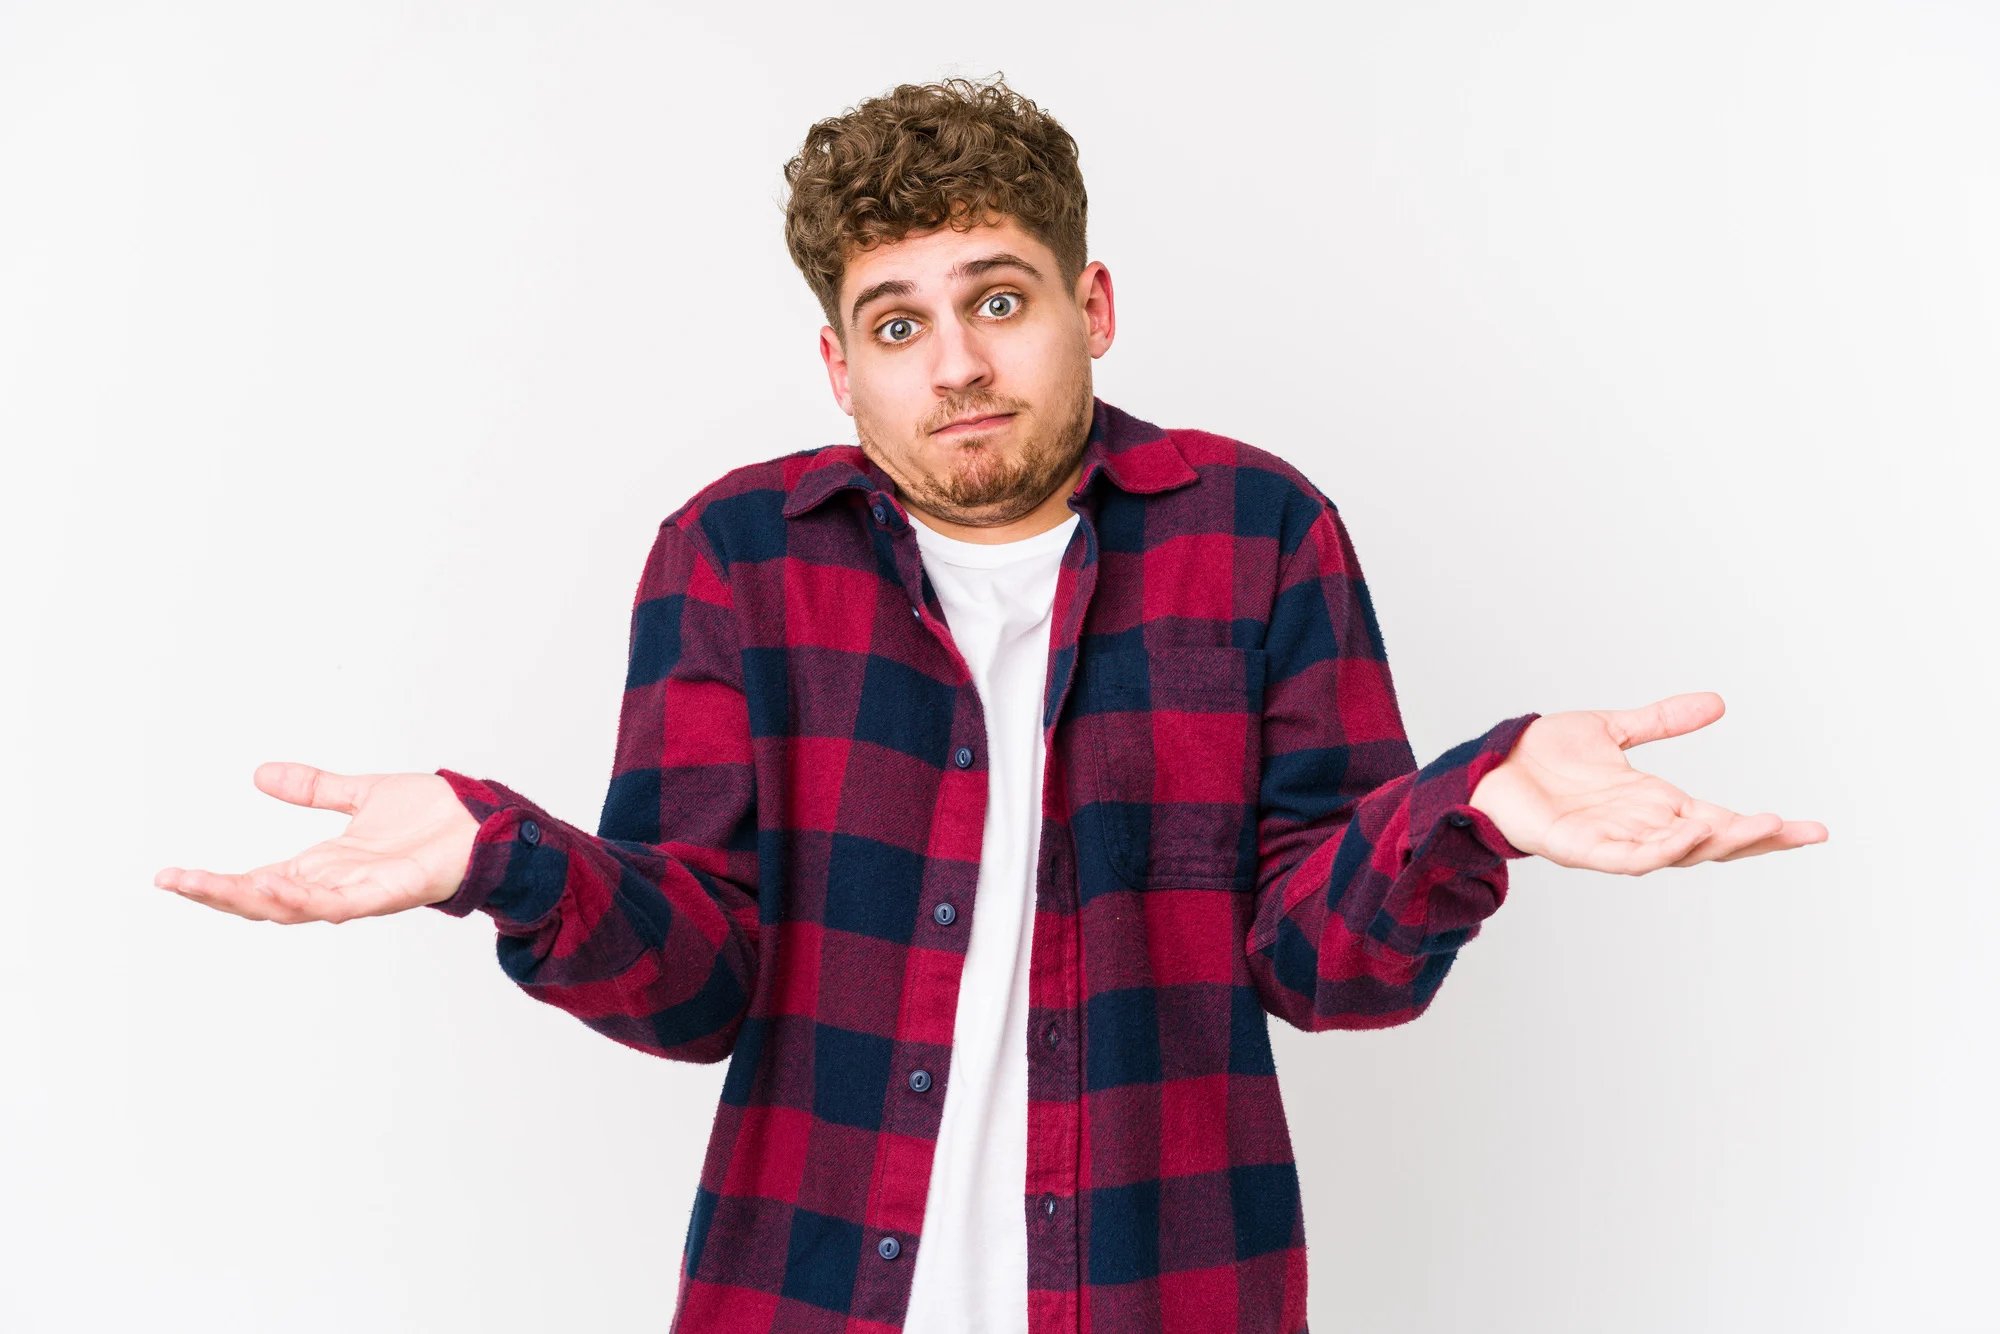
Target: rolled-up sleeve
(1372, 871)
(646, 930)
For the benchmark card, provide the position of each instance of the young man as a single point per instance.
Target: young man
(980, 790)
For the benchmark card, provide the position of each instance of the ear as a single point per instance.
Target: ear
(1093, 298)
(835, 357)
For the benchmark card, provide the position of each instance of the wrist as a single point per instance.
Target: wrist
(1504, 795)
(457, 832)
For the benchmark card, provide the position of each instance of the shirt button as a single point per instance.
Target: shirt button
(888, 1248)
(920, 1080)
(1049, 1205)
(881, 512)
(530, 832)
(962, 757)
(944, 914)
(1459, 818)
(917, 612)
(1051, 1037)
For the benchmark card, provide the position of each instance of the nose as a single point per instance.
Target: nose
(961, 362)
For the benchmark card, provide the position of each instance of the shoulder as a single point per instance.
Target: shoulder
(1268, 495)
(1245, 464)
(740, 516)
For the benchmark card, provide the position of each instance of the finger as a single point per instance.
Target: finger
(1793, 834)
(1730, 832)
(1676, 715)
(266, 894)
(303, 785)
(1753, 834)
(237, 894)
(283, 892)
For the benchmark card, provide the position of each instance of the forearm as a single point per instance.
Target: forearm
(1360, 931)
(637, 940)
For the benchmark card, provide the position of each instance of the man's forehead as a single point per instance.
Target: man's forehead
(925, 259)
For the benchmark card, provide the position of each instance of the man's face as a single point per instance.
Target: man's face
(964, 359)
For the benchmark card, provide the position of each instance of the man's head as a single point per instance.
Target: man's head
(941, 226)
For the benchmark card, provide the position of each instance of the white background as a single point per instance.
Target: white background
(350, 355)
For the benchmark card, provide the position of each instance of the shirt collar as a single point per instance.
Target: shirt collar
(1136, 455)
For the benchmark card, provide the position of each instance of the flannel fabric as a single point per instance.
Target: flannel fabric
(1233, 826)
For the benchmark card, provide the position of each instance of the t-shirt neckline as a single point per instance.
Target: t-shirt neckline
(991, 555)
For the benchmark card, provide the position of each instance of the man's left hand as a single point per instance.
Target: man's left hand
(1565, 792)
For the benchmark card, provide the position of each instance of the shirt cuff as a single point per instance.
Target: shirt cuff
(1443, 793)
(519, 860)
(1447, 831)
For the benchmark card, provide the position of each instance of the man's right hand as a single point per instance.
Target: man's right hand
(407, 844)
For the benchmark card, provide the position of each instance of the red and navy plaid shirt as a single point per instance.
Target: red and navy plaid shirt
(1233, 826)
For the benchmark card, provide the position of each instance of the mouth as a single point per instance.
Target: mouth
(973, 425)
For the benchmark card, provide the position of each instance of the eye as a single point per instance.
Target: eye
(898, 330)
(1000, 305)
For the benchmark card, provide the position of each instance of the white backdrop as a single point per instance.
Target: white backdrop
(350, 355)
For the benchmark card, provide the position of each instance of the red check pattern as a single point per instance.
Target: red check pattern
(1234, 827)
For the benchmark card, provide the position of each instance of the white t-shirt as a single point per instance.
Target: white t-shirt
(971, 1273)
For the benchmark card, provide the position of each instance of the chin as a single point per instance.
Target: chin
(969, 463)
(980, 455)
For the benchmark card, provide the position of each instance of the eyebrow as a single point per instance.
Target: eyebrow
(971, 268)
(894, 287)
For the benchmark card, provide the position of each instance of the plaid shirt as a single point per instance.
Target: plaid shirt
(1233, 826)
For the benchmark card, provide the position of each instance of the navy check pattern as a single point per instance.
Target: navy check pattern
(1234, 827)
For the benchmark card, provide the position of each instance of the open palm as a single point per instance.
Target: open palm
(1566, 792)
(406, 844)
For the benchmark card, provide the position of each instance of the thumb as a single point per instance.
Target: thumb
(1673, 716)
(303, 785)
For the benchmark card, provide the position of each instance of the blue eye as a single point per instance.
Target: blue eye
(1001, 304)
(898, 330)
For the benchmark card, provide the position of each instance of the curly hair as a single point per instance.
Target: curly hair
(921, 156)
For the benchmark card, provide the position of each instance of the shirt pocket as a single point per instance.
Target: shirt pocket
(1172, 761)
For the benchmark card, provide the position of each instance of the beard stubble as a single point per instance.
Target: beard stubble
(981, 487)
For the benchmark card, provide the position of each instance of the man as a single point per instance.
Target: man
(980, 790)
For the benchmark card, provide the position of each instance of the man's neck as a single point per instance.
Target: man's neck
(1053, 511)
